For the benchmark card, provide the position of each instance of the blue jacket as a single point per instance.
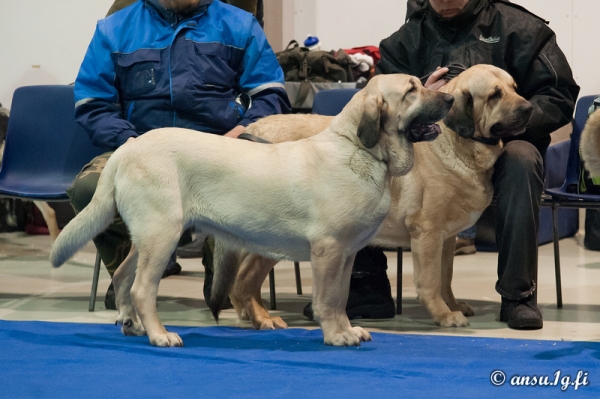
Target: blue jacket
(146, 67)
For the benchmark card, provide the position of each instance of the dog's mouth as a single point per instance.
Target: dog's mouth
(501, 130)
(423, 132)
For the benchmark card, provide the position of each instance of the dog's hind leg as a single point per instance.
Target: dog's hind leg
(427, 251)
(331, 272)
(123, 280)
(245, 295)
(154, 253)
(447, 270)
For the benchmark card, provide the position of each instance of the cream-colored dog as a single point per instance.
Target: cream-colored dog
(590, 144)
(445, 192)
(319, 199)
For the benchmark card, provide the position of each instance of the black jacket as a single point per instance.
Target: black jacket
(493, 32)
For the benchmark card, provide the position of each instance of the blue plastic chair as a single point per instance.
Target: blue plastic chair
(567, 195)
(331, 102)
(45, 148)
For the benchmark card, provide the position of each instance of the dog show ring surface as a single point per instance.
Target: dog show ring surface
(58, 360)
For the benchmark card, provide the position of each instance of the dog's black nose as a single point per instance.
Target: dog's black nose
(525, 109)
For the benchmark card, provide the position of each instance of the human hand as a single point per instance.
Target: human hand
(435, 81)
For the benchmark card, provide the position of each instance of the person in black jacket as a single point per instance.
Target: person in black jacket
(438, 33)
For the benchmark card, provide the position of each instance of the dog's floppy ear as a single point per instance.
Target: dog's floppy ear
(460, 117)
(369, 126)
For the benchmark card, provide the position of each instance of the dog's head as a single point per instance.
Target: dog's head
(394, 111)
(487, 104)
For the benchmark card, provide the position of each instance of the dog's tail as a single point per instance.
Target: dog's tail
(91, 221)
(226, 263)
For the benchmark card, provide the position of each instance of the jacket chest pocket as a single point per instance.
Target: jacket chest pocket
(139, 72)
(215, 64)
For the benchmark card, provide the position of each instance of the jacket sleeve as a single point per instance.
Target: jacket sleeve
(394, 56)
(262, 79)
(97, 106)
(546, 81)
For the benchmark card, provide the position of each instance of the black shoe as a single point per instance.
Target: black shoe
(370, 297)
(191, 250)
(521, 315)
(109, 298)
(171, 271)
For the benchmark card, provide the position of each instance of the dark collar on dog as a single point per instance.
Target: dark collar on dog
(486, 140)
(251, 137)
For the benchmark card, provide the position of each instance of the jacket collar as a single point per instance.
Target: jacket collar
(174, 18)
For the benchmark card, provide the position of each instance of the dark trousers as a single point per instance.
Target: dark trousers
(518, 186)
(114, 243)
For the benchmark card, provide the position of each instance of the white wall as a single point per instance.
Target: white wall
(44, 41)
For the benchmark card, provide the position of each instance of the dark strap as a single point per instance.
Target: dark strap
(251, 137)
(486, 140)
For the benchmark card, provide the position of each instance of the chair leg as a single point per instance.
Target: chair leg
(95, 283)
(559, 303)
(298, 279)
(272, 289)
(399, 283)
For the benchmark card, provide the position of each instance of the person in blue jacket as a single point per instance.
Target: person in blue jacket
(197, 64)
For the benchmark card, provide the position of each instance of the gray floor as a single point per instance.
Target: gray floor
(30, 289)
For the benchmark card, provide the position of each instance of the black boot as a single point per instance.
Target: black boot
(522, 314)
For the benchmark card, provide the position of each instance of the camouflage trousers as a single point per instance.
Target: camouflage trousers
(114, 243)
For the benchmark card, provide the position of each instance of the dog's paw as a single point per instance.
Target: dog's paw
(166, 340)
(362, 334)
(132, 328)
(272, 323)
(463, 308)
(345, 338)
(452, 319)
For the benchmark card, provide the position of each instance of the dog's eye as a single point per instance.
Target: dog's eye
(496, 95)
(412, 89)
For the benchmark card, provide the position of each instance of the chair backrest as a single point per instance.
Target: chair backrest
(574, 162)
(45, 148)
(331, 102)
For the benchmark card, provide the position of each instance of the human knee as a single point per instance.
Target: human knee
(519, 164)
(81, 192)
(521, 156)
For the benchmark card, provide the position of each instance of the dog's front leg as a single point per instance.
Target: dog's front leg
(331, 271)
(245, 295)
(447, 270)
(426, 248)
(123, 280)
(152, 261)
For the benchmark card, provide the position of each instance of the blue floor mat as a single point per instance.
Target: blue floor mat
(66, 360)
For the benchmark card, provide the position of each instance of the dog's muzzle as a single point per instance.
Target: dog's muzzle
(420, 132)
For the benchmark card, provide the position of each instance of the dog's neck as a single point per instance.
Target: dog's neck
(474, 155)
